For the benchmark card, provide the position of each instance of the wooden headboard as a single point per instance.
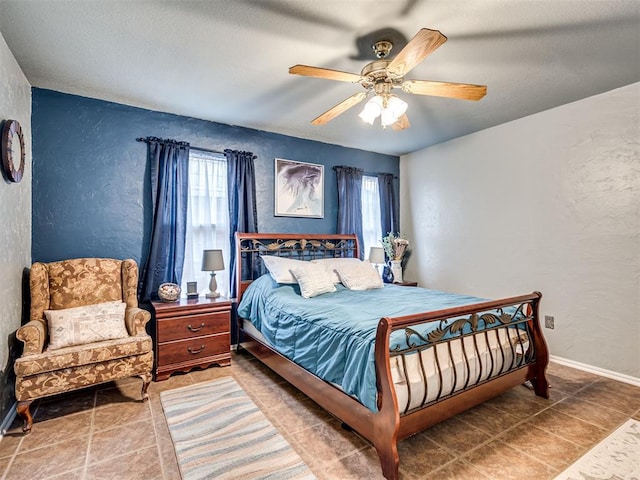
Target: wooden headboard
(298, 246)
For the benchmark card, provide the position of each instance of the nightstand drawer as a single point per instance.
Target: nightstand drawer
(189, 326)
(193, 349)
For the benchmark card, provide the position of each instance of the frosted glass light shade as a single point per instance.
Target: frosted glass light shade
(371, 110)
(376, 255)
(395, 109)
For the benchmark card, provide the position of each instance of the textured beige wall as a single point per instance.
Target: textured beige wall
(549, 202)
(15, 214)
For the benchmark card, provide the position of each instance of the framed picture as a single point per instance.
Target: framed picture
(299, 189)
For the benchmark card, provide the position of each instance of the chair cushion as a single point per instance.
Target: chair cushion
(78, 355)
(88, 324)
(46, 384)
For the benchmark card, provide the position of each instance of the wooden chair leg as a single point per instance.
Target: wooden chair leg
(146, 381)
(23, 409)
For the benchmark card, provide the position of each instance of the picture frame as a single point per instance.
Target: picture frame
(299, 189)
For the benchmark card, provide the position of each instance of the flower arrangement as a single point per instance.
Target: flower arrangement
(394, 246)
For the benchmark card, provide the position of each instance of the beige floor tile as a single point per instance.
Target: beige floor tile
(57, 430)
(46, 461)
(129, 392)
(595, 413)
(419, 455)
(121, 440)
(199, 375)
(488, 419)
(520, 403)
(363, 464)
(140, 465)
(456, 470)
(542, 445)
(11, 440)
(571, 373)
(456, 435)
(113, 415)
(176, 380)
(328, 442)
(501, 462)
(77, 474)
(636, 415)
(65, 404)
(614, 395)
(293, 418)
(568, 427)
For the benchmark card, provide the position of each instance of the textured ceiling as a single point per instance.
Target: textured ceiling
(227, 61)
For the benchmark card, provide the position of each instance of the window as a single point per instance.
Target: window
(207, 219)
(371, 228)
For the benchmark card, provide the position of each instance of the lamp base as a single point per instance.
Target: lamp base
(212, 295)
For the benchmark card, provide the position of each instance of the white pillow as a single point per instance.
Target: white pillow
(332, 264)
(280, 267)
(362, 276)
(313, 280)
(88, 324)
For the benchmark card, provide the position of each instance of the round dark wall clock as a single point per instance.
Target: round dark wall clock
(12, 151)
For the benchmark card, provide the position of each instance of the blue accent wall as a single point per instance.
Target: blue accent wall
(91, 195)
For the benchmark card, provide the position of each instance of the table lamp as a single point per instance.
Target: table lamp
(212, 261)
(376, 256)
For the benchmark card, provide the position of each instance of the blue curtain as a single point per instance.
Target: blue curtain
(169, 165)
(388, 204)
(350, 202)
(243, 215)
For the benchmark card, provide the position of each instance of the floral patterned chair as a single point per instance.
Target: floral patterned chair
(85, 328)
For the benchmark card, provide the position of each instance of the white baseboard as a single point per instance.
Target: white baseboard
(8, 419)
(620, 377)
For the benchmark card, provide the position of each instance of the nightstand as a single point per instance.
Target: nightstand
(407, 283)
(191, 333)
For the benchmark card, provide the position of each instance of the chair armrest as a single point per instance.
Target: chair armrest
(136, 319)
(33, 335)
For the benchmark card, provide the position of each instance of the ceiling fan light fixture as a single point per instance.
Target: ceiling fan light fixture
(396, 107)
(389, 109)
(372, 110)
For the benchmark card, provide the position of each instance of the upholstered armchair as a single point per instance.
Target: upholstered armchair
(85, 328)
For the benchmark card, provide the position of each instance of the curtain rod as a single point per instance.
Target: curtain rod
(200, 149)
(369, 174)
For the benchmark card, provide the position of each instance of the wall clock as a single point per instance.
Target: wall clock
(12, 151)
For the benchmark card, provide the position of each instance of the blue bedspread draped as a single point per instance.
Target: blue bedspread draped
(333, 335)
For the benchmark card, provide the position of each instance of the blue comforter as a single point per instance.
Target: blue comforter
(333, 335)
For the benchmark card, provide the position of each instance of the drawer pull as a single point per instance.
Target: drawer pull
(195, 352)
(196, 329)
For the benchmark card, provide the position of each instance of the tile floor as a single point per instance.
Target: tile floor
(107, 433)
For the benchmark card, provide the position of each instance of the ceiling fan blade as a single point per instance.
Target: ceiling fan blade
(425, 42)
(462, 91)
(325, 73)
(339, 108)
(402, 123)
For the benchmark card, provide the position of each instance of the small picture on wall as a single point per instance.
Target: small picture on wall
(299, 189)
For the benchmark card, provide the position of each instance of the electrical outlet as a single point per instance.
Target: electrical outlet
(549, 322)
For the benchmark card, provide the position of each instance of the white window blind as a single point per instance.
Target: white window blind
(207, 219)
(371, 228)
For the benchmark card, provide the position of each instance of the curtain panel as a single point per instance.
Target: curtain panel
(388, 204)
(243, 213)
(169, 165)
(350, 202)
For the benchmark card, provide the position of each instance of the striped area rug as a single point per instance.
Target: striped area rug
(218, 432)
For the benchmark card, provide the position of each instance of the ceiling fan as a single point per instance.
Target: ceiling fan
(383, 75)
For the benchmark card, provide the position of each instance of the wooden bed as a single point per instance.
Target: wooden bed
(393, 422)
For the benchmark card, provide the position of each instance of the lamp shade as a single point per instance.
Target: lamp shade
(376, 255)
(212, 260)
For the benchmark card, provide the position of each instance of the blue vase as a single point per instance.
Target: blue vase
(387, 274)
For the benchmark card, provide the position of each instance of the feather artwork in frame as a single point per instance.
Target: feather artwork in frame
(299, 189)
